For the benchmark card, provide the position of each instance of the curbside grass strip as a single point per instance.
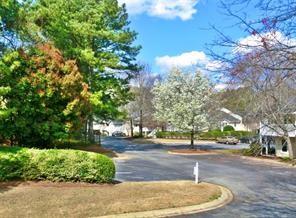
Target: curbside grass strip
(267, 161)
(193, 154)
(225, 198)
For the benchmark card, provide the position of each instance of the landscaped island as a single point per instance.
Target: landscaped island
(46, 199)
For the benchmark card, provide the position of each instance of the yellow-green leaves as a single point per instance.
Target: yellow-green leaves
(95, 99)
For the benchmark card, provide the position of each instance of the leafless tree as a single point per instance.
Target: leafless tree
(265, 62)
(141, 110)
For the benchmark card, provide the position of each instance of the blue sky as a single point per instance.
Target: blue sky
(177, 31)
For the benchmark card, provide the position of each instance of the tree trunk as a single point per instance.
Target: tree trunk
(99, 137)
(132, 128)
(85, 131)
(91, 136)
(290, 147)
(141, 124)
(192, 139)
(163, 127)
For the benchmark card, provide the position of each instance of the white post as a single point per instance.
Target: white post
(195, 172)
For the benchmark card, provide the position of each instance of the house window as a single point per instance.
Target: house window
(284, 145)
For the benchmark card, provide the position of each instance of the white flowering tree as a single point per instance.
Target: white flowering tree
(182, 101)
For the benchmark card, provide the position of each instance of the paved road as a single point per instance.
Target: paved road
(260, 190)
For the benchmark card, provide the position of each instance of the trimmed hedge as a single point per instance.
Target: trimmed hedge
(179, 135)
(228, 128)
(210, 135)
(55, 165)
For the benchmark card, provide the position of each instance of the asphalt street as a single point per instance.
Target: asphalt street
(260, 189)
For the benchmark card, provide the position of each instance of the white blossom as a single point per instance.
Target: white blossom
(182, 99)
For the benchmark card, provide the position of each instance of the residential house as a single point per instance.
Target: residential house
(271, 137)
(108, 128)
(228, 118)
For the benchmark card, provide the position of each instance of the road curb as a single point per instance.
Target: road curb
(225, 198)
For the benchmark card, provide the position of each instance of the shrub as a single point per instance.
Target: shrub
(173, 135)
(228, 128)
(55, 165)
(70, 143)
(254, 150)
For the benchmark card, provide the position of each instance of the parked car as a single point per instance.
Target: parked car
(228, 140)
(118, 134)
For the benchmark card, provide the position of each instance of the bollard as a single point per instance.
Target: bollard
(195, 172)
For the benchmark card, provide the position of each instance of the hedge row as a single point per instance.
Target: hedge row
(213, 134)
(54, 165)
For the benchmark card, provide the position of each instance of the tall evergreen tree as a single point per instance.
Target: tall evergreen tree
(95, 33)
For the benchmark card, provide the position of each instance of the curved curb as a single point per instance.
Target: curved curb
(225, 198)
(192, 154)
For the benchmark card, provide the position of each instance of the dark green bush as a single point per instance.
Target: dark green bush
(55, 165)
(228, 128)
(173, 135)
(70, 143)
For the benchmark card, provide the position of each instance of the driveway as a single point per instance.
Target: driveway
(260, 190)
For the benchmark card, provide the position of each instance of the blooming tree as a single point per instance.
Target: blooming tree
(181, 100)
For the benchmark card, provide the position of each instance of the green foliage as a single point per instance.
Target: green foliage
(70, 143)
(237, 100)
(228, 128)
(173, 135)
(96, 34)
(43, 97)
(54, 165)
(254, 150)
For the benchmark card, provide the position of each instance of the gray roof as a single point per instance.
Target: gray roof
(225, 116)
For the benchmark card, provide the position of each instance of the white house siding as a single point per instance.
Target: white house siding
(231, 119)
(114, 126)
(266, 131)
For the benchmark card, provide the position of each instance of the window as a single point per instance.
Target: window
(284, 145)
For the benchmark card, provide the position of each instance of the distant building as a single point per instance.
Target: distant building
(228, 118)
(108, 128)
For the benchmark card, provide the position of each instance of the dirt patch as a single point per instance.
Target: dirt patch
(88, 200)
(191, 152)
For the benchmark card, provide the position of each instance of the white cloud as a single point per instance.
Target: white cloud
(181, 61)
(196, 59)
(221, 86)
(256, 41)
(168, 9)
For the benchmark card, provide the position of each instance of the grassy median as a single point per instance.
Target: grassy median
(45, 199)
